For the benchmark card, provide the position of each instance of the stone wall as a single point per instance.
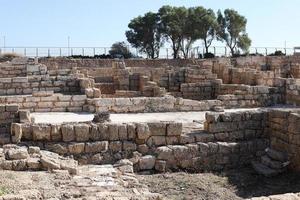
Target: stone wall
(228, 141)
(149, 104)
(293, 91)
(242, 96)
(47, 102)
(284, 130)
(9, 114)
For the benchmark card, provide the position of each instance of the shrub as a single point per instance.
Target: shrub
(277, 53)
(8, 56)
(209, 55)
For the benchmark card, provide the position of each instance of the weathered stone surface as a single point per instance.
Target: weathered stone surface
(68, 133)
(147, 162)
(96, 147)
(76, 148)
(41, 132)
(174, 129)
(17, 154)
(82, 132)
(143, 131)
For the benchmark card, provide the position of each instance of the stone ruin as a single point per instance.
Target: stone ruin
(249, 108)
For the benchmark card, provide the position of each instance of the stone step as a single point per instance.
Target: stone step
(265, 170)
(276, 155)
(274, 164)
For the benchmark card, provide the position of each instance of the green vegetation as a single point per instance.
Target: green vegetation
(182, 27)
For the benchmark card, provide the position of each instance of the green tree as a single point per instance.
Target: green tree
(232, 30)
(120, 49)
(145, 34)
(208, 28)
(200, 24)
(172, 20)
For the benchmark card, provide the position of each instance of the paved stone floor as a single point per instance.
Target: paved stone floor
(183, 117)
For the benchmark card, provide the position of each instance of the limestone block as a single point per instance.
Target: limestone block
(143, 131)
(89, 92)
(19, 165)
(20, 80)
(157, 128)
(12, 108)
(103, 131)
(42, 93)
(82, 132)
(180, 152)
(16, 132)
(56, 134)
(156, 141)
(113, 132)
(115, 146)
(122, 132)
(174, 129)
(79, 97)
(68, 133)
(76, 148)
(131, 131)
(143, 148)
(24, 116)
(147, 162)
(17, 154)
(172, 140)
(129, 146)
(96, 147)
(41, 132)
(33, 150)
(33, 163)
(164, 153)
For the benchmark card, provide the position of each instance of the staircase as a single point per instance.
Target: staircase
(272, 163)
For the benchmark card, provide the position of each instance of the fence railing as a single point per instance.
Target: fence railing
(166, 53)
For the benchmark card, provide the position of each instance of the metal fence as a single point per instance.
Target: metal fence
(166, 53)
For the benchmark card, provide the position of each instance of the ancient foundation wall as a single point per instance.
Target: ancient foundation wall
(239, 96)
(48, 103)
(149, 104)
(284, 130)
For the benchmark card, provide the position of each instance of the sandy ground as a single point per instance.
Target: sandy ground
(101, 181)
(232, 185)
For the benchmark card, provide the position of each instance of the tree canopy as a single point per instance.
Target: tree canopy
(145, 34)
(182, 27)
(232, 30)
(120, 50)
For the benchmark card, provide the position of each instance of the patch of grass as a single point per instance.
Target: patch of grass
(3, 190)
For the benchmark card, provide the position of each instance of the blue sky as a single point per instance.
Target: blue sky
(102, 22)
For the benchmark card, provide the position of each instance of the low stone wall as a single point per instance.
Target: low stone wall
(228, 141)
(149, 104)
(47, 102)
(284, 129)
(201, 90)
(9, 114)
(242, 96)
(293, 91)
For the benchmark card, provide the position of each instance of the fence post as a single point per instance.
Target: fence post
(225, 51)
(94, 52)
(24, 51)
(285, 51)
(37, 52)
(105, 50)
(82, 51)
(59, 52)
(48, 52)
(167, 53)
(13, 50)
(215, 51)
(71, 51)
(255, 50)
(266, 51)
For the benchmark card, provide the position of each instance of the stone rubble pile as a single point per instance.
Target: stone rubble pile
(21, 158)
